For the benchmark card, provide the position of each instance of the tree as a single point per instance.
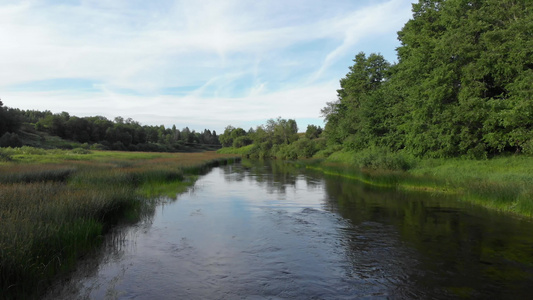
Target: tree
(345, 118)
(465, 65)
(313, 131)
(10, 140)
(462, 84)
(282, 131)
(9, 120)
(226, 139)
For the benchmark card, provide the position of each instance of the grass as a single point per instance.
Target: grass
(503, 183)
(239, 151)
(56, 204)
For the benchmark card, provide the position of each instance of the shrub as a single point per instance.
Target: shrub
(305, 148)
(527, 148)
(80, 151)
(241, 141)
(5, 157)
(98, 147)
(327, 151)
(10, 140)
(380, 158)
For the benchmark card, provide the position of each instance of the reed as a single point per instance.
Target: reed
(55, 205)
(501, 183)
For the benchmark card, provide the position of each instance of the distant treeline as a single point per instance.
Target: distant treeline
(100, 132)
(276, 139)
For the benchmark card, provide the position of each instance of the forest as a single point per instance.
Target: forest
(31, 127)
(462, 87)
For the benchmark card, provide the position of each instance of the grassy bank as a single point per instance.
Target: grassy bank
(503, 183)
(56, 204)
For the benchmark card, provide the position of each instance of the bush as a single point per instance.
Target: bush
(30, 151)
(5, 157)
(305, 148)
(527, 148)
(80, 151)
(10, 140)
(285, 151)
(326, 152)
(375, 158)
(241, 141)
(98, 147)
(118, 146)
(380, 158)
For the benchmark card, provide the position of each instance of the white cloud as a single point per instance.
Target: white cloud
(238, 60)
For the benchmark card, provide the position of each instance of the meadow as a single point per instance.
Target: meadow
(55, 205)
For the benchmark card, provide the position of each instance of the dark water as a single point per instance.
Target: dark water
(272, 231)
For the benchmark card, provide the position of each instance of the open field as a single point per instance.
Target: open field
(56, 204)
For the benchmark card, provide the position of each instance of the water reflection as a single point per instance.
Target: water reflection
(274, 176)
(463, 250)
(273, 230)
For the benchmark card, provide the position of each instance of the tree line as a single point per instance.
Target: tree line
(278, 138)
(462, 85)
(100, 132)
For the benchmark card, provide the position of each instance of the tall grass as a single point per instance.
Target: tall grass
(503, 183)
(54, 208)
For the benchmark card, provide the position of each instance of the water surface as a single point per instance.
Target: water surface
(272, 231)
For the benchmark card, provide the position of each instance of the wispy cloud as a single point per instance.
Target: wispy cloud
(208, 63)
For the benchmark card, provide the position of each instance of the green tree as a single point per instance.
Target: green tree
(9, 120)
(226, 139)
(466, 65)
(313, 131)
(346, 118)
(282, 131)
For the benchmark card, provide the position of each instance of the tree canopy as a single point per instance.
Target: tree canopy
(119, 134)
(462, 84)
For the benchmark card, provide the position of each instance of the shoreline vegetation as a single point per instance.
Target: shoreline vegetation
(503, 183)
(452, 115)
(55, 205)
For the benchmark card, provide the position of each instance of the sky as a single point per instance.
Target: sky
(197, 63)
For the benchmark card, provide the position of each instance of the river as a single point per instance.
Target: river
(272, 231)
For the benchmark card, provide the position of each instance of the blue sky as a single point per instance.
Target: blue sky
(201, 64)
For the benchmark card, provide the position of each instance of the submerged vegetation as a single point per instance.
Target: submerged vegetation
(56, 204)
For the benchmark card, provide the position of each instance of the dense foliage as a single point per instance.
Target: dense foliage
(276, 139)
(9, 125)
(462, 84)
(100, 132)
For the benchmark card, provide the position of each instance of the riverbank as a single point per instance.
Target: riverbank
(502, 183)
(55, 205)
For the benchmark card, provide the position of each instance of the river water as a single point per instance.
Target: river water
(273, 231)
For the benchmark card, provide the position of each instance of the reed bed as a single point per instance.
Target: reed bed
(502, 183)
(54, 209)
